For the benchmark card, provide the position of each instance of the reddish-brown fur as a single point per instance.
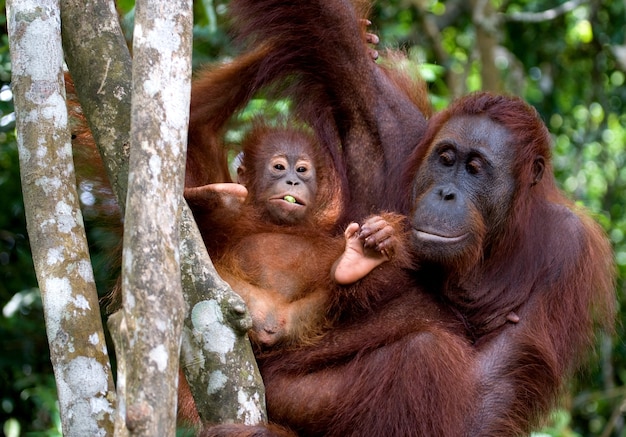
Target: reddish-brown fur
(213, 102)
(397, 360)
(239, 238)
(269, 263)
(231, 223)
(340, 92)
(289, 292)
(282, 270)
(548, 261)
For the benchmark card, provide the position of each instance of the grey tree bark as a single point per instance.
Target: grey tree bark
(148, 328)
(98, 57)
(215, 337)
(55, 226)
(216, 355)
(225, 382)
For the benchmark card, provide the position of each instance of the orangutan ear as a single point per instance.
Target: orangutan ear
(538, 167)
(242, 176)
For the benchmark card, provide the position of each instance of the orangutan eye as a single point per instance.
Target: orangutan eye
(474, 166)
(447, 158)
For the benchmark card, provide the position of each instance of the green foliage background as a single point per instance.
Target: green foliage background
(572, 68)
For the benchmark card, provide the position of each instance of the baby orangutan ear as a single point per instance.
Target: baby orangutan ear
(538, 167)
(242, 177)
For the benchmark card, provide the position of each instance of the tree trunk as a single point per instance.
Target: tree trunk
(100, 64)
(486, 23)
(98, 57)
(55, 225)
(153, 308)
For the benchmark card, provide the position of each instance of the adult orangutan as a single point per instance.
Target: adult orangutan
(492, 233)
(486, 212)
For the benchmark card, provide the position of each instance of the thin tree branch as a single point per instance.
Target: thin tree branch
(547, 15)
(486, 23)
(100, 63)
(217, 312)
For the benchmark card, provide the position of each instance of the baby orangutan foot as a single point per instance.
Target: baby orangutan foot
(367, 247)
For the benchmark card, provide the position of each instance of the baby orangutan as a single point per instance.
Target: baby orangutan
(271, 235)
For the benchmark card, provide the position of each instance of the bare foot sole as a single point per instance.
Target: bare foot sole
(356, 261)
